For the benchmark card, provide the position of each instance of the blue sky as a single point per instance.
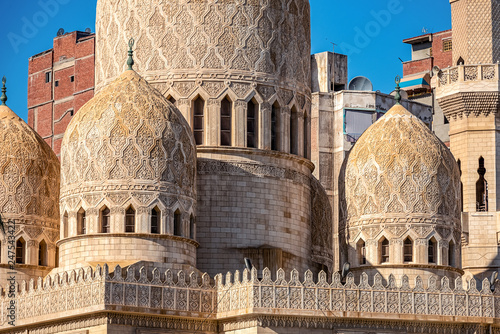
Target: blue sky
(370, 32)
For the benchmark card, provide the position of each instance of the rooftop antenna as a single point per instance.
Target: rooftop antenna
(3, 98)
(425, 30)
(333, 47)
(88, 30)
(130, 61)
(60, 32)
(398, 89)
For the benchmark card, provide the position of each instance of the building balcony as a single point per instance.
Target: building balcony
(468, 89)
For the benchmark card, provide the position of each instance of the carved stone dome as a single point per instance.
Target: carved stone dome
(29, 183)
(128, 173)
(29, 191)
(129, 136)
(398, 169)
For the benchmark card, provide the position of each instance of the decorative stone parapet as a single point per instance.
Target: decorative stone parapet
(147, 292)
(468, 90)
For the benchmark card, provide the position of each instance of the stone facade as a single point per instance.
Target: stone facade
(29, 195)
(96, 298)
(128, 155)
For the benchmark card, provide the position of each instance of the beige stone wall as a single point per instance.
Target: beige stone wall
(249, 202)
(126, 249)
(468, 96)
(476, 32)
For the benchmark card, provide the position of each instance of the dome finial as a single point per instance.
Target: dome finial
(3, 98)
(130, 61)
(397, 97)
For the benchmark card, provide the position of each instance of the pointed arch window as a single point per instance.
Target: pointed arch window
(105, 220)
(42, 253)
(177, 223)
(451, 253)
(461, 186)
(294, 132)
(408, 250)
(361, 250)
(192, 227)
(198, 127)
(57, 257)
(130, 220)
(20, 251)
(384, 251)
(275, 110)
(481, 188)
(155, 219)
(306, 136)
(226, 108)
(252, 124)
(65, 224)
(432, 251)
(81, 222)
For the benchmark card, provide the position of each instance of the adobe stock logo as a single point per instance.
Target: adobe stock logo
(30, 26)
(373, 28)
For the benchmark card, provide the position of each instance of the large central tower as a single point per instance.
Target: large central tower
(469, 95)
(239, 71)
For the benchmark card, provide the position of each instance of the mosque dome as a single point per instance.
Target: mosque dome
(29, 193)
(129, 132)
(399, 168)
(30, 172)
(128, 168)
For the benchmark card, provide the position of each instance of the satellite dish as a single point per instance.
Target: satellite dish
(361, 83)
(88, 30)
(60, 32)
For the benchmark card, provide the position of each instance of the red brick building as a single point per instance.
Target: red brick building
(60, 81)
(428, 51)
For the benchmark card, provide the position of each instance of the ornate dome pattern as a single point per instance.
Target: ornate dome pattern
(265, 37)
(398, 168)
(128, 138)
(29, 174)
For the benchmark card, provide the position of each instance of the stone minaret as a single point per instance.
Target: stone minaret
(469, 96)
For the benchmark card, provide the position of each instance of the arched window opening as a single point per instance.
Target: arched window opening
(192, 227)
(481, 188)
(451, 254)
(361, 250)
(199, 106)
(81, 222)
(225, 122)
(408, 250)
(460, 61)
(20, 245)
(105, 220)
(461, 186)
(172, 99)
(252, 124)
(155, 215)
(294, 132)
(306, 137)
(57, 257)
(431, 251)
(177, 223)
(65, 224)
(42, 253)
(275, 127)
(130, 220)
(384, 251)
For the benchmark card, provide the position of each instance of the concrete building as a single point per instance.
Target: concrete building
(429, 52)
(60, 81)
